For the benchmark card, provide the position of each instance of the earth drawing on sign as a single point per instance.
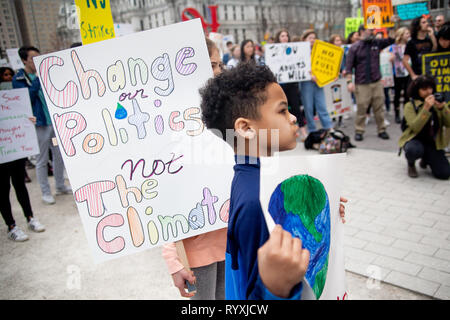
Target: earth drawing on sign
(300, 205)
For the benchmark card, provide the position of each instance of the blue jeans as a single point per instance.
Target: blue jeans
(314, 97)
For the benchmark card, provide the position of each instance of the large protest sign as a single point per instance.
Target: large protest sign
(95, 18)
(386, 69)
(126, 115)
(326, 62)
(438, 66)
(302, 193)
(410, 11)
(290, 62)
(17, 133)
(377, 14)
(338, 98)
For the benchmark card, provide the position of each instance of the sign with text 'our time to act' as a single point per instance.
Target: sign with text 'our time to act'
(126, 113)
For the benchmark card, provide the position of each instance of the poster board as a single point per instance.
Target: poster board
(328, 170)
(290, 62)
(410, 11)
(377, 14)
(127, 117)
(17, 133)
(352, 25)
(338, 99)
(386, 69)
(438, 66)
(326, 60)
(123, 29)
(14, 58)
(96, 22)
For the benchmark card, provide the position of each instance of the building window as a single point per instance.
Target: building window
(242, 14)
(142, 25)
(234, 12)
(437, 4)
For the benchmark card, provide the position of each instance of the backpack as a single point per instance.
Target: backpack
(328, 142)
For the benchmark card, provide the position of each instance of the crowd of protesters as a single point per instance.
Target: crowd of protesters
(361, 68)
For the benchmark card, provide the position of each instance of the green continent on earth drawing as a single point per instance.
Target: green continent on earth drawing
(300, 204)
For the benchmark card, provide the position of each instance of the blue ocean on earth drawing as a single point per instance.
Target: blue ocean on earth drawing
(300, 204)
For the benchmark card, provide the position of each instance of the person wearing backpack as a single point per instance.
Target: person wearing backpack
(426, 115)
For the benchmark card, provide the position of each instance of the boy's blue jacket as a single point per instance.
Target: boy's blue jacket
(21, 81)
(247, 232)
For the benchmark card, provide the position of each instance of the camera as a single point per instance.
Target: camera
(439, 97)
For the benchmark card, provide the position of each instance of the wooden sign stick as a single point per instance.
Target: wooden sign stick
(181, 252)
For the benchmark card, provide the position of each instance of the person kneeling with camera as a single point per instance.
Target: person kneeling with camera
(424, 137)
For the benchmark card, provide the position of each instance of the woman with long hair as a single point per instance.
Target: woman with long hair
(422, 42)
(248, 52)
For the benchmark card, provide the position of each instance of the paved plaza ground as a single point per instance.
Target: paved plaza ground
(397, 239)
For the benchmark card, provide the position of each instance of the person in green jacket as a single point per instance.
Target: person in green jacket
(427, 118)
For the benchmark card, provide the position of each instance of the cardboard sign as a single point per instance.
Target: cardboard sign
(326, 61)
(96, 22)
(123, 29)
(127, 117)
(386, 69)
(438, 66)
(290, 62)
(319, 226)
(377, 14)
(14, 58)
(352, 25)
(338, 98)
(17, 133)
(412, 10)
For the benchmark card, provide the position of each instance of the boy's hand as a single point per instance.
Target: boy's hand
(179, 278)
(32, 119)
(342, 208)
(282, 262)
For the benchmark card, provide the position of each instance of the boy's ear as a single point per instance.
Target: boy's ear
(243, 129)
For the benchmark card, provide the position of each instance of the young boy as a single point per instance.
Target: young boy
(248, 100)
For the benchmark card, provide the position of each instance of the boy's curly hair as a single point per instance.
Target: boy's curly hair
(234, 93)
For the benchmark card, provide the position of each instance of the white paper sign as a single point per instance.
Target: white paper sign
(338, 98)
(387, 73)
(14, 58)
(17, 133)
(126, 113)
(327, 169)
(290, 62)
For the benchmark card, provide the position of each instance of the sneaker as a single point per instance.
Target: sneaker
(35, 225)
(358, 137)
(48, 199)
(65, 190)
(383, 135)
(16, 234)
(386, 122)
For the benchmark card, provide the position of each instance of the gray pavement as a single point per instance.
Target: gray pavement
(397, 240)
